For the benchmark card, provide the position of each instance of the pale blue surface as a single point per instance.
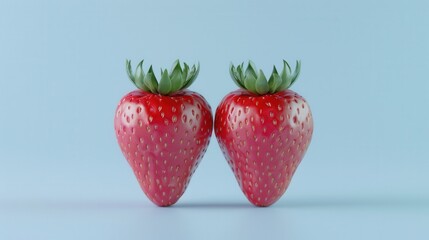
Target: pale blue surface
(364, 72)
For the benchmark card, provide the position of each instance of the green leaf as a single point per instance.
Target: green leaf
(296, 72)
(139, 68)
(139, 71)
(234, 76)
(251, 70)
(252, 64)
(176, 80)
(287, 65)
(274, 82)
(232, 73)
(176, 68)
(139, 77)
(240, 73)
(191, 73)
(128, 69)
(192, 76)
(261, 84)
(286, 76)
(275, 70)
(250, 83)
(271, 80)
(185, 73)
(136, 78)
(286, 71)
(174, 65)
(150, 81)
(164, 86)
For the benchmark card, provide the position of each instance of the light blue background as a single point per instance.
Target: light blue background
(365, 74)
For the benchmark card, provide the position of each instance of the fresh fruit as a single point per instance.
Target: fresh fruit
(264, 130)
(163, 130)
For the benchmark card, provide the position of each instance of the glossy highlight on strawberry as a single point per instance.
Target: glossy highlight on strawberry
(264, 132)
(163, 131)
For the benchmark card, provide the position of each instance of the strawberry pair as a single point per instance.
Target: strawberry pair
(263, 129)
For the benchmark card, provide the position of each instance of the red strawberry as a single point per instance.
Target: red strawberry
(163, 130)
(264, 131)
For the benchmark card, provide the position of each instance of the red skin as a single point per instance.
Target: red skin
(263, 138)
(163, 138)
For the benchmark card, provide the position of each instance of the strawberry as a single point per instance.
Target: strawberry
(163, 130)
(264, 130)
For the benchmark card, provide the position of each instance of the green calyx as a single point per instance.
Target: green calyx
(176, 79)
(254, 80)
